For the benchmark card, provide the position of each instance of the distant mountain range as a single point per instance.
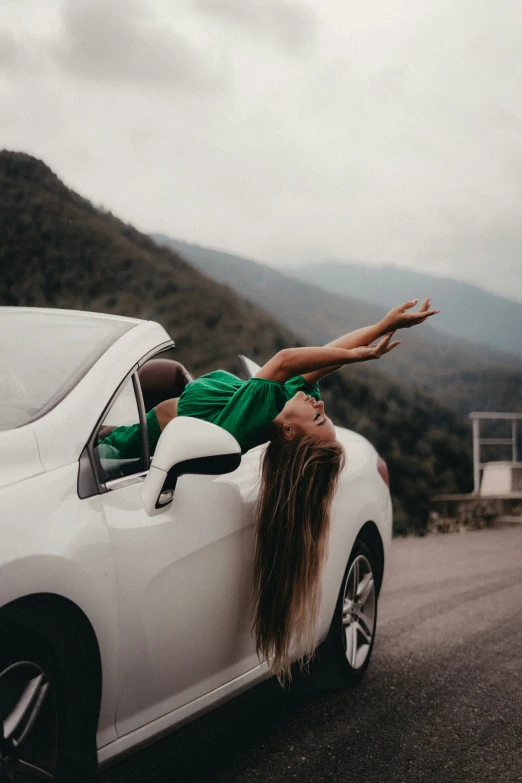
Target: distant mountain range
(467, 311)
(459, 373)
(58, 250)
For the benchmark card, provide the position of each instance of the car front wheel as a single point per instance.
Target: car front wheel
(344, 655)
(355, 617)
(38, 739)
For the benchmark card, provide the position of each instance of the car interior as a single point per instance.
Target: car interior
(160, 379)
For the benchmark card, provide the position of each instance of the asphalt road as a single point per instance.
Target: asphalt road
(441, 701)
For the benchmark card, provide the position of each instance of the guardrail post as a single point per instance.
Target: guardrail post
(476, 455)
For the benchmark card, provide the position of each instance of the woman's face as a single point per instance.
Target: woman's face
(306, 415)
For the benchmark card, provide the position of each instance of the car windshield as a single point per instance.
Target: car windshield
(44, 354)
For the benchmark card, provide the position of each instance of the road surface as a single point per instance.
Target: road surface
(441, 701)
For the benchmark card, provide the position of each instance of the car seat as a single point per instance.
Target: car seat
(162, 379)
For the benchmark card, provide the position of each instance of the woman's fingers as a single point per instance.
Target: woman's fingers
(424, 308)
(384, 345)
(387, 348)
(387, 337)
(399, 318)
(420, 316)
(407, 305)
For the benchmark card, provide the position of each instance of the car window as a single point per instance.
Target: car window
(118, 446)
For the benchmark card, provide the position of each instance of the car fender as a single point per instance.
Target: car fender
(58, 544)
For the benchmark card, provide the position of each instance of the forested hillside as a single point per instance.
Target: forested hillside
(57, 250)
(460, 374)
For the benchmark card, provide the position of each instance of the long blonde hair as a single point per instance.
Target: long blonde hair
(298, 481)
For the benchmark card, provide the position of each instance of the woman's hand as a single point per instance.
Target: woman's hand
(364, 353)
(399, 319)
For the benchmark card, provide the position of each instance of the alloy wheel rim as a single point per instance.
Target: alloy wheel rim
(358, 612)
(29, 725)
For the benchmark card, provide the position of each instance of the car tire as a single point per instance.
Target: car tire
(44, 723)
(342, 659)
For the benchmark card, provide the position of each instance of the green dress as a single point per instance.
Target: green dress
(243, 408)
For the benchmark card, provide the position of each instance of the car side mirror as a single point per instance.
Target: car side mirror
(187, 445)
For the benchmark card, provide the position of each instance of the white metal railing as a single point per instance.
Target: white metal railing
(478, 441)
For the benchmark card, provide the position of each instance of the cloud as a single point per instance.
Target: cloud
(116, 42)
(288, 25)
(8, 50)
(384, 133)
(22, 56)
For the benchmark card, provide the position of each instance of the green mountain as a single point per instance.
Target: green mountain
(58, 250)
(458, 373)
(470, 313)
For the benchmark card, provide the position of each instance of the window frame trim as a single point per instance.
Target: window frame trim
(88, 483)
(88, 451)
(145, 448)
(162, 348)
(88, 473)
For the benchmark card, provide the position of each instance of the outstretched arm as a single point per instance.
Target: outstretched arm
(310, 362)
(397, 318)
(313, 361)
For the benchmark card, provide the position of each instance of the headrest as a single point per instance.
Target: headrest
(162, 379)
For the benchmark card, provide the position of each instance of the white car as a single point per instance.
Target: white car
(125, 603)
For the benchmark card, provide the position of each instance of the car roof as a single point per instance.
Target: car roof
(75, 314)
(69, 343)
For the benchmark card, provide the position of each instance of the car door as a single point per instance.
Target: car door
(183, 576)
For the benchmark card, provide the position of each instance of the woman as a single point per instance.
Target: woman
(300, 469)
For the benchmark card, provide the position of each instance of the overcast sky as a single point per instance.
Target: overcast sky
(377, 131)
